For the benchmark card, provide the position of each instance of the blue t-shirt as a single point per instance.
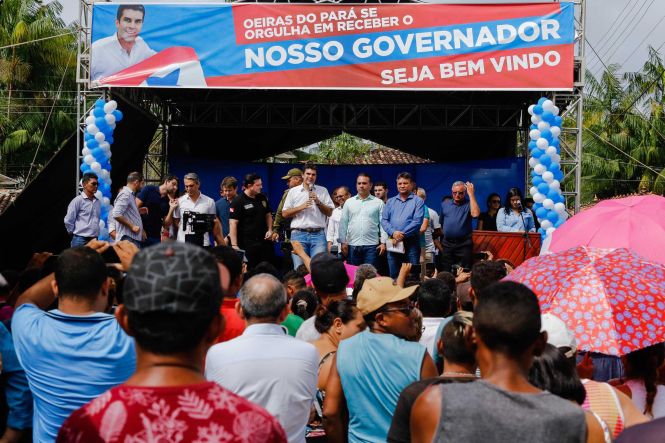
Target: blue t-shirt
(17, 391)
(69, 360)
(374, 369)
(222, 208)
(158, 207)
(456, 219)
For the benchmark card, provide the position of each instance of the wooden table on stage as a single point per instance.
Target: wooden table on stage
(508, 245)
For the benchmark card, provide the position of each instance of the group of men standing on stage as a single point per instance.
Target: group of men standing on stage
(368, 227)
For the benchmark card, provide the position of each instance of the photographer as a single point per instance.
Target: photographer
(251, 223)
(188, 215)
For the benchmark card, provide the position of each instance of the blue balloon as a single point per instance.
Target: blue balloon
(532, 145)
(533, 174)
(546, 134)
(552, 194)
(558, 175)
(537, 153)
(556, 143)
(537, 181)
(558, 198)
(100, 102)
(541, 212)
(100, 122)
(558, 120)
(537, 110)
(84, 167)
(554, 167)
(545, 160)
(97, 152)
(98, 112)
(558, 223)
(118, 115)
(532, 127)
(542, 232)
(88, 136)
(547, 117)
(92, 144)
(542, 100)
(553, 216)
(543, 188)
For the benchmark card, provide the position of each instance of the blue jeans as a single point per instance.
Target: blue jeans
(313, 243)
(411, 255)
(359, 255)
(77, 240)
(151, 241)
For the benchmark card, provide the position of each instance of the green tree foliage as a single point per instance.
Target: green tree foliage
(343, 148)
(37, 59)
(626, 113)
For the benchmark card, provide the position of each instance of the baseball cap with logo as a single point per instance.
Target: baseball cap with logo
(378, 292)
(174, 278)
(294, 172)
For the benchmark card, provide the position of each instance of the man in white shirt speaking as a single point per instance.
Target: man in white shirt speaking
(309, 205)
(124, 48)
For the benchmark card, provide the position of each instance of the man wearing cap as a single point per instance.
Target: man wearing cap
(309, 205)
(329, 279)
(373, 367)
(172, 297)
(265, 365)
(75, 353)
(293, 178)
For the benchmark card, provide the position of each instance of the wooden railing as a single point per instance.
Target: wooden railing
(508, 245)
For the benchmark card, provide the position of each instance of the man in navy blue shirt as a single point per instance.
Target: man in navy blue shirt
(456, 215)
(228, 189)
(401, 219)
(153, 204)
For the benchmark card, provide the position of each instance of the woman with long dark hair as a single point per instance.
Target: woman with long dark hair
(487, 219)
(515, 217)
(641, 381)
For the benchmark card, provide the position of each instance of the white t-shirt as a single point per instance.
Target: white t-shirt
(433, 224)
(108, 57)
(203, 205)
(332, 235)
(312, 217)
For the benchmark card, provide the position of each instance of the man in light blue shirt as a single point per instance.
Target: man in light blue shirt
(360, 231)
(72, 354)
(401, 219)
(83, 212)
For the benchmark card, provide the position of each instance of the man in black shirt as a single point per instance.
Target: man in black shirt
(251, 222)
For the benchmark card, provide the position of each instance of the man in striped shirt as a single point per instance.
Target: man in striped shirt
(129, 225)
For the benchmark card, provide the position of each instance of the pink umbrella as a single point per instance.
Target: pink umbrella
(635, 223)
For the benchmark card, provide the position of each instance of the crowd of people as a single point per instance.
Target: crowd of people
(201, 336)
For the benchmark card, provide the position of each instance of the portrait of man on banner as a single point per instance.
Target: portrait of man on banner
(123, 49)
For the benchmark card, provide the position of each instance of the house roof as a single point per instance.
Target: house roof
(388, 156)
(596, 200)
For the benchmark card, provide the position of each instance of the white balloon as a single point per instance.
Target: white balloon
(105, 145)
(555, 185)
(548, 176)
(533, 162)
(95, 166)
(103, 233)
(542, 143)
(543, 125)
(113, 126)
(548, 203)
(110, 106)
(90, 120)
(100, 137)
(101, 224)
(85, 151)
(539, 198)
(545, 224)
(551, 150)
(556, 131)
(533, 191)
(106, 201)
(554, 110)
(547, 105)
(530, 109)
(88, 159)
(92, 129)
(556, 158)
(110, 118)
(534, 134)
(535, 119)
(539, 169)
(104, 175)
(92, 113)
(98, 194)
(559, 208)
(550, 230)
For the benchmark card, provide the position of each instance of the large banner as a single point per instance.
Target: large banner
(301, 46)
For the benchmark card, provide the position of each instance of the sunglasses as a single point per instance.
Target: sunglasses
(496, 201)
(458, 192)
(93, 184)
(406, 310)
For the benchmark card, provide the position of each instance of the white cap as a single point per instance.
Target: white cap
(558, 334)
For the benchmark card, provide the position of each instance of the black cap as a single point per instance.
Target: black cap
(328, 273)
(173, 277)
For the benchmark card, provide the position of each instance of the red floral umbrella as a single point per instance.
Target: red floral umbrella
(612, 299)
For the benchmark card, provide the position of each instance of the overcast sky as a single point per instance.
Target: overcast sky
(619, 30)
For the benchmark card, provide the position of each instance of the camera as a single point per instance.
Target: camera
(198, 224)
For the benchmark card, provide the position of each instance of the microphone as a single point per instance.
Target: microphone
(519, 204)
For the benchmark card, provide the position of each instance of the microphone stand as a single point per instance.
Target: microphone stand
(526, 239)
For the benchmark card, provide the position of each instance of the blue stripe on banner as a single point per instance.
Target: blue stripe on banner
(170, 79)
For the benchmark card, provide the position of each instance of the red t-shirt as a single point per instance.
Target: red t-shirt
(201, 413)
(234, 326)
